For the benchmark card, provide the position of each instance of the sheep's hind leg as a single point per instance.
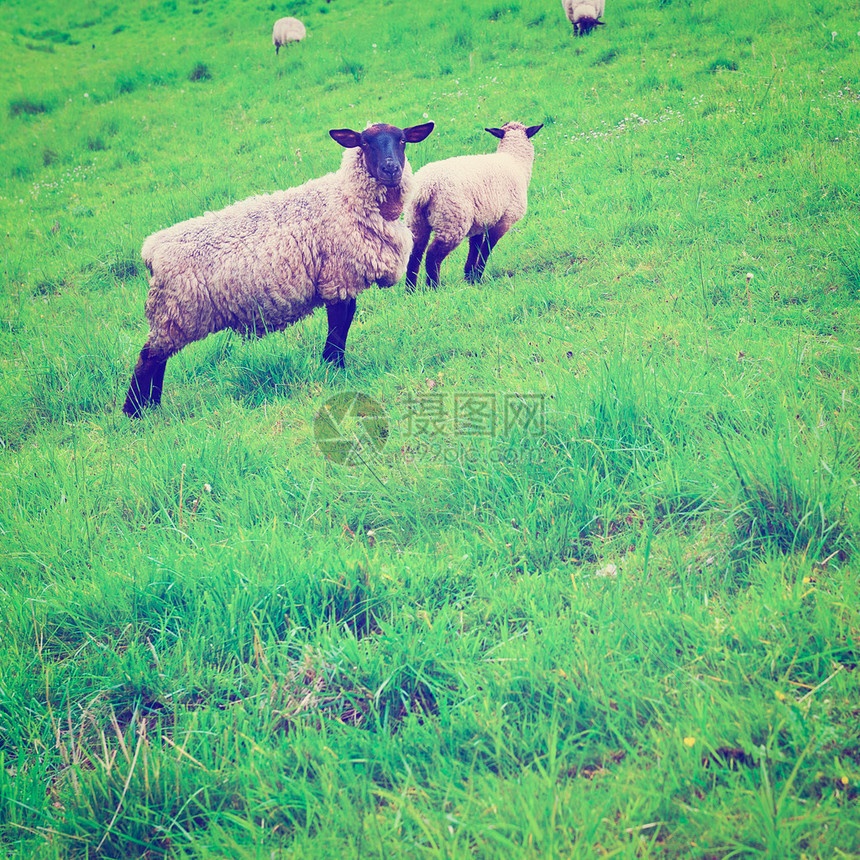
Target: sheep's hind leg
(475, 254)
(340, 316)
(488, 241)
(439, 249)
(147, 383)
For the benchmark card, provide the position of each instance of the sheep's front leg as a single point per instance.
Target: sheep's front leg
(147, 382)
(340, 316)
(420, 237)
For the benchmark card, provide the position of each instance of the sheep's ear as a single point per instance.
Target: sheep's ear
(496, 132)
(346, 137)
(532, 130)
(417, 133)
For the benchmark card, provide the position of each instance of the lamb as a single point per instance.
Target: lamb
(479, 196)
(265, 262)
(583, 14)
(287, 30)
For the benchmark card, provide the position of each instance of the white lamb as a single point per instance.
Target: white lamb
(287, 30)
(583, 14)
(479, 196)
(264, 263)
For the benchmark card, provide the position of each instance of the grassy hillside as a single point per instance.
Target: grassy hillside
(597, 594)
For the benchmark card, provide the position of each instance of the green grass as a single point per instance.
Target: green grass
(631, 630)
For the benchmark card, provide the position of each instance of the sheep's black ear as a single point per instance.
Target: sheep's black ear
(346, 137)
(496, 132)
(532, 130)
(417, 133)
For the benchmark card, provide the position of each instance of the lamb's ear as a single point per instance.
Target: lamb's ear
(496, 132)
(346, 137)
(532, 130)
(417, 133)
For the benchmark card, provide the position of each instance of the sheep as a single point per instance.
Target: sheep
(263, 263)
(287, 30)
(479, 196)
(583, 14)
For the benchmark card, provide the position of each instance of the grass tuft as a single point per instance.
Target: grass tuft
(351, 67)
(200, 72)
(27, 107)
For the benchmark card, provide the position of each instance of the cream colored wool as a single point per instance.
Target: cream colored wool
(266, 262)
(287, 30)
(466, 194)
(469, 195)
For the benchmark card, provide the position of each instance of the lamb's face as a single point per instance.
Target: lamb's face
(384, 148)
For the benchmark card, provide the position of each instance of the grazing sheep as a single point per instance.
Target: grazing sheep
(583, 14)
(479, 196)
(265, 262)
(287, 30)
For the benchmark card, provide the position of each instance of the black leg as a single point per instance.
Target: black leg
(474, 251)
(158, 382)
(481, 254)
(420, 237)
(147, 382)
(340, 316)
(435, 255)
(488, 242)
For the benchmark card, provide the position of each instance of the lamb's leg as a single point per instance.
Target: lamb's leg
(420, 237)
(340, 316)
(439, 249)
(147, 382)
(487, 243)
(475, 243)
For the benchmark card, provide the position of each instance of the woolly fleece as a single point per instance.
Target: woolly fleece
(467, 194)
(265, 262)
(287, 30)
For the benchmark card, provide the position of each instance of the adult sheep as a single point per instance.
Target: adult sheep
(265, 262)
(479, 196)
(287, 30)
(583, 14)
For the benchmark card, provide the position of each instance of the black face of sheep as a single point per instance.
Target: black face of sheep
(384, 147)
(585, 25)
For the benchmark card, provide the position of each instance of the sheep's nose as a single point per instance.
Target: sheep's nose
(390, 170)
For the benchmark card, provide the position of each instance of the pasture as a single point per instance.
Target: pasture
(586, 582)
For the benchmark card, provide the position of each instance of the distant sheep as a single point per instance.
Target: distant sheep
(584, 14)
(479, 196)
(265, 262)
(287, 30)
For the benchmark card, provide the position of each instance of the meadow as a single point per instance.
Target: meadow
(588, 583)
